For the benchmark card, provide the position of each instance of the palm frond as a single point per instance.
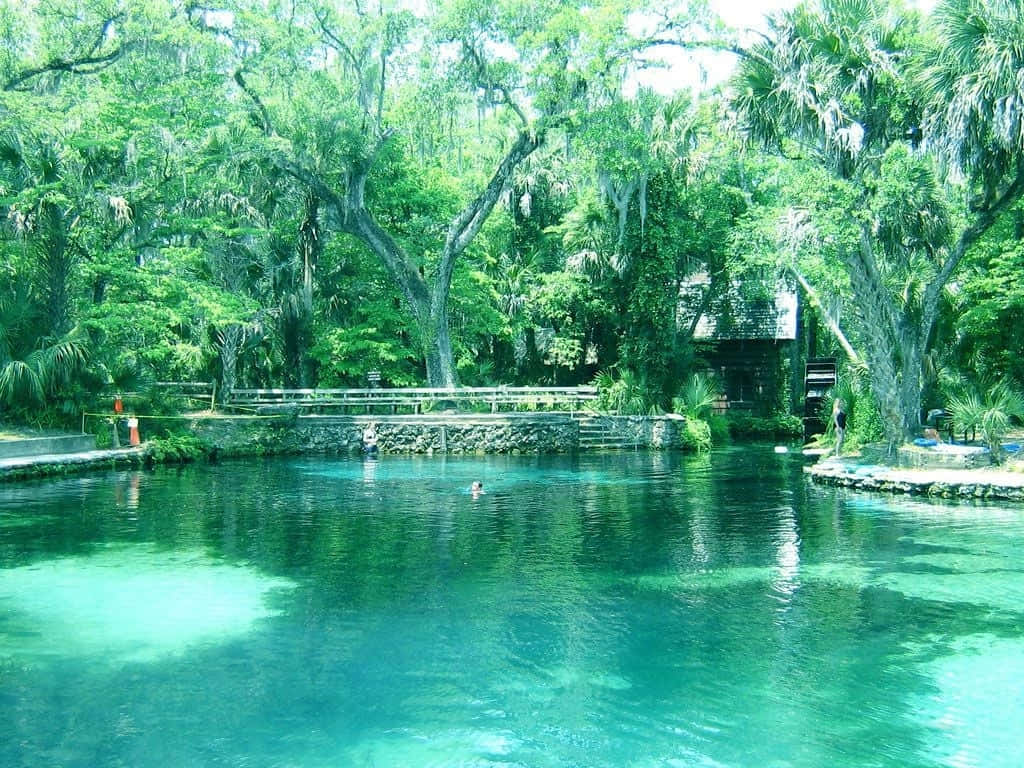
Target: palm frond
(974, 90)
(698, 396)
(20, 380)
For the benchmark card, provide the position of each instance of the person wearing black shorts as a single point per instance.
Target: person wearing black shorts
(839, 422)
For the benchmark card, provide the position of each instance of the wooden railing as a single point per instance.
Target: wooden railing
(417, 399)
(202, 391)
(197, 392)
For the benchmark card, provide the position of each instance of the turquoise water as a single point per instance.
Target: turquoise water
(615, 610)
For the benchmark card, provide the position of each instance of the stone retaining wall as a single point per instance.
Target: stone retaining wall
(286, 432)
(455, 434)
(425, 434)
(24, 467)
(645, 431)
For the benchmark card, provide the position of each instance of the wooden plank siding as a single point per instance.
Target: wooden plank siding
(747, 370)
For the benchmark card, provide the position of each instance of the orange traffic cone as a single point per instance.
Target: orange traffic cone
(133, 431)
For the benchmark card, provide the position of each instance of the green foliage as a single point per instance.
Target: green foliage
(984, 315)
(346, 355)
(477, 320)
(991, 409)
(864, 421)
(863, 417)
(780, 426)
(660, 251)
(571, 305)
(44, 371)
(154, 323)
(854, 87)
(622, 395)
(697, 398)
(696, 436)
(175, 449)
(190, 210)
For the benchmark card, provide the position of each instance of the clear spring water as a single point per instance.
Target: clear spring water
(612, 610)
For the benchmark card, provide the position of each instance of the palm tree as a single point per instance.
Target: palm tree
(843, 85)
(697, 398)
(32, 368)
(975, 106)
(35, 170)
(991, 411)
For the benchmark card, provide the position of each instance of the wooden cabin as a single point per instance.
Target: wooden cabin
(745, 337)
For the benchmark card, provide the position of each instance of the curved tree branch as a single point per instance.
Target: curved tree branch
(484, 81)
(86, 64)
(468, 223)
(830, 322)
(264, 116)
(985, 218)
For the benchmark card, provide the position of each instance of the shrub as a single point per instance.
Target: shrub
(991, 413)
(175, 448)
(863, 416)
(696, 435)
(696, 400)
(625, 395)
(719, 428)
(779, 426)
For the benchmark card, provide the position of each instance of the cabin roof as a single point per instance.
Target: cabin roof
(740, 313)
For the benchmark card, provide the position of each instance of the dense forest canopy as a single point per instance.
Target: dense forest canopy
(460, 192)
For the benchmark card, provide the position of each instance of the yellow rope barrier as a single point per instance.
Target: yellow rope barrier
(193, 417)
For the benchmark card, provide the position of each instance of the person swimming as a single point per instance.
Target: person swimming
(476, 488)
(370, 439)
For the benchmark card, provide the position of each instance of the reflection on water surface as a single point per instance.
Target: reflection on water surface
(613, 610)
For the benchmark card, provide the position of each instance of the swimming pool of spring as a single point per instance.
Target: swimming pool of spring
(620, 609)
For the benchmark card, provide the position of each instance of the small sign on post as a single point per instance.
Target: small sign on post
(373, 379)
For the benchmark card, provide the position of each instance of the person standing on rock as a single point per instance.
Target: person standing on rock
(839, 422)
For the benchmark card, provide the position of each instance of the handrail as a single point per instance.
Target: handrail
(440, 392)
(415, 397)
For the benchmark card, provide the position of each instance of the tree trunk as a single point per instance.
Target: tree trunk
(438, 353)
(429, 309)
(427, 304)
(311, 245)
(230, 340)
(892, 346)
(897, 386)
(56, 263)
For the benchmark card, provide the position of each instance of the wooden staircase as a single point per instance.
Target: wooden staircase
(820, 375)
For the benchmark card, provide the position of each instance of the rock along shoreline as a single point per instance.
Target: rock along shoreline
(982, 484)
(48, 465)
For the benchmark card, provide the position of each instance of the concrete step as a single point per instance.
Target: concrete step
(595, 434)
(43, 446)
(605, 439)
